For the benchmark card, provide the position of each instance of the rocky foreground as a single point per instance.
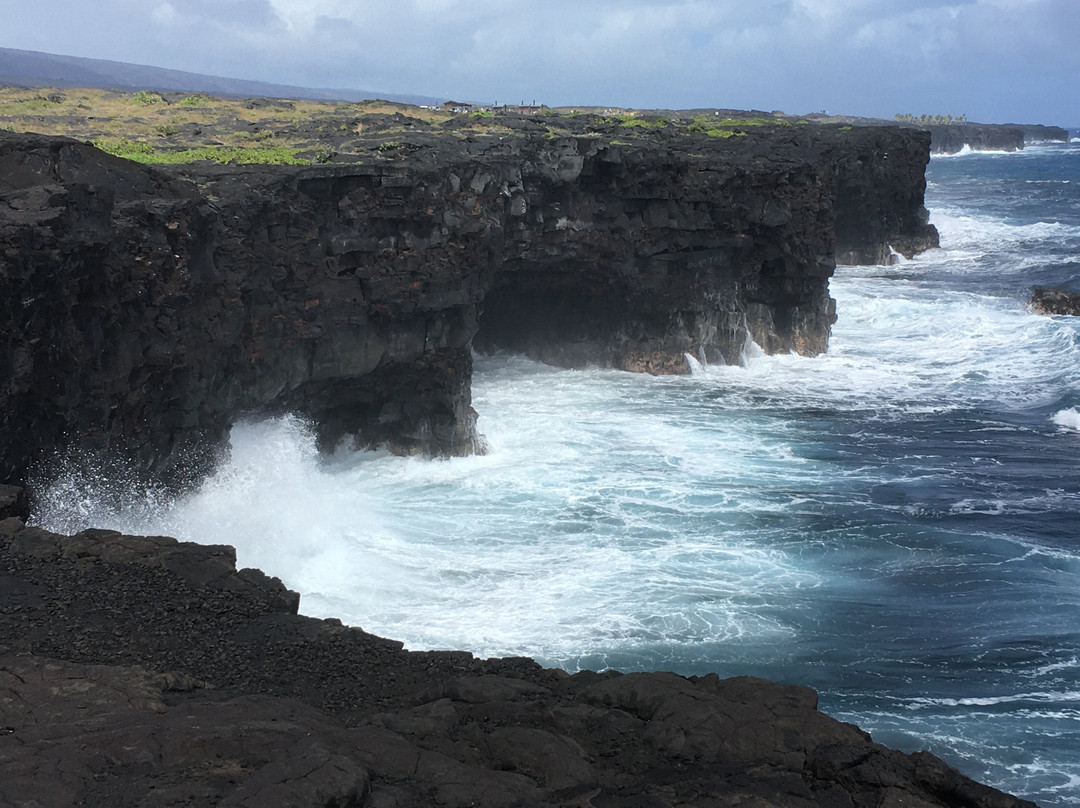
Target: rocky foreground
(140, 671)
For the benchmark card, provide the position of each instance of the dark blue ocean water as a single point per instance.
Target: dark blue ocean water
(896, 524)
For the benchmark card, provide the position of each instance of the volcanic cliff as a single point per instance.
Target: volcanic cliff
(144, 311)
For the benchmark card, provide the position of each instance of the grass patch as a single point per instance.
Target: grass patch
(639, 123)
(27, 106)
(197, 100)
(142, 152)
(730, 127)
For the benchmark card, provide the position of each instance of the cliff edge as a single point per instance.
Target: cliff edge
(144, 311)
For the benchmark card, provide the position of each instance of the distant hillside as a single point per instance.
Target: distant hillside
(35, 69)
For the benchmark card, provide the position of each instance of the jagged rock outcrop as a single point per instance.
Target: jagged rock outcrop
(144, 671)
(1046, 300)
(146, 311)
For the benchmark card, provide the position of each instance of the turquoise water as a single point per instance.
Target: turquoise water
(896, 524)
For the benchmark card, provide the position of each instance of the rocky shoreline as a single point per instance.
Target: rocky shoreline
(140, 671)
(145, 310)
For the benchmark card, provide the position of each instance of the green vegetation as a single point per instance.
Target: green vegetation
(141, 152)
(26, 106)
(928, 120)
(162, 128)
(730, 127)
(629, 119)
(146, 98)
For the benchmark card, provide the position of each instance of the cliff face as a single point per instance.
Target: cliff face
(146, 312)
(879, 200)
(949, 139)
(1036, 133)
(952, 138)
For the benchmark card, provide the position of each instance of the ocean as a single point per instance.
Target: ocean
(895, 523)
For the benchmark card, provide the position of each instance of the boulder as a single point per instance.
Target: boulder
(1055, 301)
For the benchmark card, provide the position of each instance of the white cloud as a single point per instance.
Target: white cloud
(871, 56)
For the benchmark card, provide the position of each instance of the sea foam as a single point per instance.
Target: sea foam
(1068, 419)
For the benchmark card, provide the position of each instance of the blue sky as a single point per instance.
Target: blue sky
(994, 60)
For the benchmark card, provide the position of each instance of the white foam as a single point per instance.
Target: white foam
(1036, 697)
(694, 364)
(1068, 419)
(964, 234)
(967, 151)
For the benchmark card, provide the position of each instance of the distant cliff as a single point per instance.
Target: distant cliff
(1037, 133)
(144, 312)
(952, 138)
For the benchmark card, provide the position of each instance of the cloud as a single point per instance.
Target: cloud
(984, 57)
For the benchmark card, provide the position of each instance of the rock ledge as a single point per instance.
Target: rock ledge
(141, 671)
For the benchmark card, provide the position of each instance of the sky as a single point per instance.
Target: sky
(996, 61)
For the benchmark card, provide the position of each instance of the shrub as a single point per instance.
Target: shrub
(146, 98)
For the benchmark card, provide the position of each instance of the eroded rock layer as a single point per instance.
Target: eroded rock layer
(144, 312)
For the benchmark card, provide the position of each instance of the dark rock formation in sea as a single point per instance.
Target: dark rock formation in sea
(143, 671)
(1046, 300)
(144, 311)
(1040, 133)
(952, 138)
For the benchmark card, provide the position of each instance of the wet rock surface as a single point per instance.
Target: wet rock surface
(1045, 300)
(141, 671)
(145, 311)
